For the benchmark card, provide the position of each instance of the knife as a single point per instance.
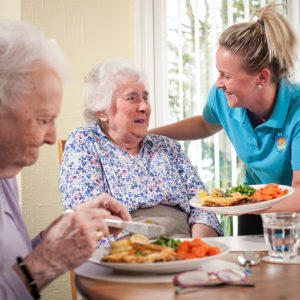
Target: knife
(152, 230)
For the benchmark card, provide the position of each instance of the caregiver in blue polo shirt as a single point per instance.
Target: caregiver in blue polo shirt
(256, 104)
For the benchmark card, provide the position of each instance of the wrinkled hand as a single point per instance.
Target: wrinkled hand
(117, 209)
(73, 238)
(107, 202)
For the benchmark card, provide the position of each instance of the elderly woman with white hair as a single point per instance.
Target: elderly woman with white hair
(30, 97)
(148, 173)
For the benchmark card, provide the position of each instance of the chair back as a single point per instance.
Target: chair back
(61, 147)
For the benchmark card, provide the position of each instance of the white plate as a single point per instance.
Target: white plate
(95, 271)
(159, 267)
(243, 208)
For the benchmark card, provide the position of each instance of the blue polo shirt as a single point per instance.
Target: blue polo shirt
(271, 151)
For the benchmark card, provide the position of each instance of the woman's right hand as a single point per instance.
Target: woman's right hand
(73, 239)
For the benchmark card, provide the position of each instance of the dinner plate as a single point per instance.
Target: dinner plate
(243, 208)
(158, 267)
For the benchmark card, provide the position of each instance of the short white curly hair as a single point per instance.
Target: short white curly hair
(22, 47)
(102, 81)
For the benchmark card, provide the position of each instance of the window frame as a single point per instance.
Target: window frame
(150, 52)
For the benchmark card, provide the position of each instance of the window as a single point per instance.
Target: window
(176, 46)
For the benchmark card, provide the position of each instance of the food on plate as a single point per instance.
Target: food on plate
(218, 197)
(139, 238)
(240, 195)
(129, 251)
(195, 249)
(245, 190)
(120, 246)
(166, 241)
(269, 192)
(139, 253)
(234, 199)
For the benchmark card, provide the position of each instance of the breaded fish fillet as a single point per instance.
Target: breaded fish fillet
(142, 253)
(235, 199)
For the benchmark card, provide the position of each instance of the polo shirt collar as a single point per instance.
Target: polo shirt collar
(279, 113)
(240, 115)
(281, 108)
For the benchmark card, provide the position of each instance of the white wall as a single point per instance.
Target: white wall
(10, 9)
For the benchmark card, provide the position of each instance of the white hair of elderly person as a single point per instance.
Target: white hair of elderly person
(31, 74)
(102, 81)
(114, 154)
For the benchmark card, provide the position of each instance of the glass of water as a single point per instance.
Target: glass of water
(281, 232)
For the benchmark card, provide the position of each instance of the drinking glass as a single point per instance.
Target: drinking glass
(281, 232)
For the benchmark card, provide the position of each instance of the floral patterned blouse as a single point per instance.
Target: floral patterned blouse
(160, 174)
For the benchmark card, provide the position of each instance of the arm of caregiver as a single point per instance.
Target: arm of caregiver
(189, 129)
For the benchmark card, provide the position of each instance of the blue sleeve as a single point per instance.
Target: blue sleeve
(193, 184)
(81, 173)
(296, 148)
(210, 109)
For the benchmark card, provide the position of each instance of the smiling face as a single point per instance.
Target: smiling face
(127, 120)
(238, 86)
(29, 123)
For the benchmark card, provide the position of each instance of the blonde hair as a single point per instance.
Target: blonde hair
(269, 42)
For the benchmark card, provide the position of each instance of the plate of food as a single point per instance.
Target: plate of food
(153, 258)
(241, 199)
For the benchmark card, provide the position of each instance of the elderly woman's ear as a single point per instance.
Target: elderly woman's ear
(102, 116)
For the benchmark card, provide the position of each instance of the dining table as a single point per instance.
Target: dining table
(271, 280)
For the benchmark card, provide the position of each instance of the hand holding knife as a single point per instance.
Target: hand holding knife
(137, 227)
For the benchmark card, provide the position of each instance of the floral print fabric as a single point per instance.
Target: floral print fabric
(160, 174)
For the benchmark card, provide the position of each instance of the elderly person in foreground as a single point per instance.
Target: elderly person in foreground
(150, 174)
(30, 99)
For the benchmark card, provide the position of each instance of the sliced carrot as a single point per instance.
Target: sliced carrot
(213, 251)
(184, 246)
(181, 255)
(190, 256)
(269, 192)
(268, 197)
(194, 249)
(196, 242)
(199, 251)
(271, 185)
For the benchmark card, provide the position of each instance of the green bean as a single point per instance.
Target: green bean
(165, 241)
(243, 189)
